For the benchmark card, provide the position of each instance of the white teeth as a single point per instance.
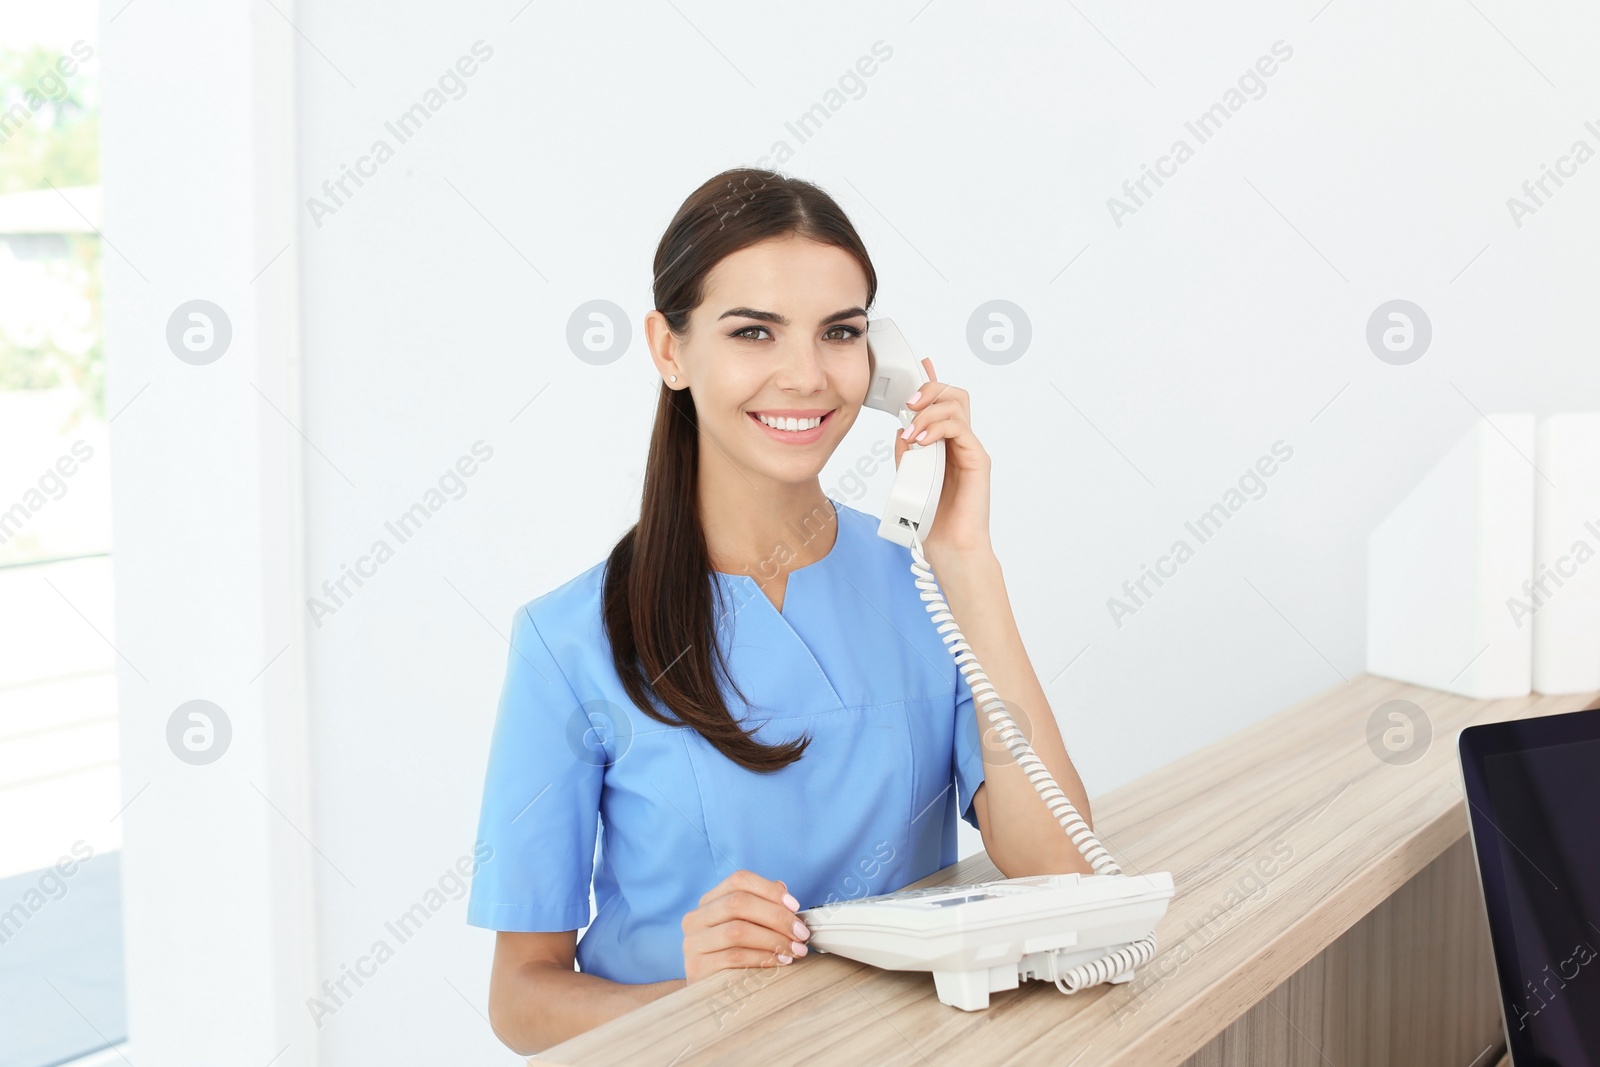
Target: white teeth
(792, 425)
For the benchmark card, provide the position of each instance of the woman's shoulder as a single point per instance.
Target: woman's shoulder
(567, 619)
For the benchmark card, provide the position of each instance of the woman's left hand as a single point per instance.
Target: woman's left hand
(942, 412)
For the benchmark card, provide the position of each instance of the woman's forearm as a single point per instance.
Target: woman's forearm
(1020, 834)
(546, 1004)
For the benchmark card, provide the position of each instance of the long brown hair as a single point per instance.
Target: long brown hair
(661, 602)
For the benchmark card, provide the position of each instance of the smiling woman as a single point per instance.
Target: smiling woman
(743, 234)
(747, 689)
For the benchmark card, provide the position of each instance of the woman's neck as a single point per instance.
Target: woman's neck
(761, 527)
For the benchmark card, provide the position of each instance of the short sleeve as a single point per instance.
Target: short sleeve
(968, 753)
(541, 799)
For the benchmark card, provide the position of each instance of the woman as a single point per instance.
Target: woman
(818, 764)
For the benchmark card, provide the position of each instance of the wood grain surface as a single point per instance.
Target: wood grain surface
(1281, 840)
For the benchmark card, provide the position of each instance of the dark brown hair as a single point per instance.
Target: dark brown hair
(661, 602)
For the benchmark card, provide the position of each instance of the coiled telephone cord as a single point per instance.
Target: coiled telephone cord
(1087, 974)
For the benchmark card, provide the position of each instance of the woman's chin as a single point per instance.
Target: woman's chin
(798, 471)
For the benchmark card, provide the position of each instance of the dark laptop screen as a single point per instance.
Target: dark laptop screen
(1545, 813)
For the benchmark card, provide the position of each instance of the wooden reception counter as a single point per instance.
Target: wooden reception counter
(1327, 913)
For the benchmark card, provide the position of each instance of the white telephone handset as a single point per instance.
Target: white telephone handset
(1078, 930)
(896, 374)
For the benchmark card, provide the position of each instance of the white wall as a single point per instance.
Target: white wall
(197, 151)
(1228, 313)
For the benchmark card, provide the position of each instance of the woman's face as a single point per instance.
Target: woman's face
(781, 334)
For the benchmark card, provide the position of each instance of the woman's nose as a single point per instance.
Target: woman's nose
(801, 369)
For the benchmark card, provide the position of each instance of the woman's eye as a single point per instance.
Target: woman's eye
(839, 333)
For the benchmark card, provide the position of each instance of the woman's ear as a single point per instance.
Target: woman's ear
(663, 346)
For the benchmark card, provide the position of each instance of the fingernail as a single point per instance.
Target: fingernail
(921, 435)
(800, 930)
(906, 434)
(794, 905)
(913, 398)
(799, 949)
(784, 959)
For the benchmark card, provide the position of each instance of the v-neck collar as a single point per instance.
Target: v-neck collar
(776, 639)
(816, 566)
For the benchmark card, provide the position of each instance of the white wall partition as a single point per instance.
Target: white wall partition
(204, 402)
(1443, 566)
(1561, 604)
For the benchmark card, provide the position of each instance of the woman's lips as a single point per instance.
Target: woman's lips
(792, 437)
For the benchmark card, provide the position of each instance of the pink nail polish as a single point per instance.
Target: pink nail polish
(913, 398)
(784, 959)
(906, 433)
(921, 435)
(799, 949)
(794, 905)
(800, 930)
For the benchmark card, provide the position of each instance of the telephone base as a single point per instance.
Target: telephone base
(981, 938)
(969, 990)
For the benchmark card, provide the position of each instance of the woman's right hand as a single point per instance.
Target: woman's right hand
(744, 922)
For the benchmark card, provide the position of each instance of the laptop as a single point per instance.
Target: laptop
(1533, 792)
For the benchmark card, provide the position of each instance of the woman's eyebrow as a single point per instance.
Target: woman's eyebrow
(773, 316)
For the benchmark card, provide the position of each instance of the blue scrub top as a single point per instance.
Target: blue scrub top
(853, 660)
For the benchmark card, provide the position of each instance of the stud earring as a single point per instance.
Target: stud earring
(673, 378)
